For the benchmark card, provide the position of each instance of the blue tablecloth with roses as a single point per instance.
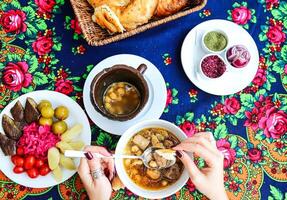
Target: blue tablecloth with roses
(42, 47)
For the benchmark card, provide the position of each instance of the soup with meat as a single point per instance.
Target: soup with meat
(156, 177)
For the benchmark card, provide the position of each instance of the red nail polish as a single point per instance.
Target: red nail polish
(179, 154)
(89, 155)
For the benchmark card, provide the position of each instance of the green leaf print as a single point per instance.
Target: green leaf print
(277, 14)
(247, 100)
(220, 131)
(30, 13)
(284, 52)
(233, 141)
(57, 46)
(283, 7)
(31, 30)
(27, 90)
(105, 139)
(276, 193)
(278, 66)
(40, 78)
(189, 116)
(40, 24)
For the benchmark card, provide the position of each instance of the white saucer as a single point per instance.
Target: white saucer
(233, 80)
(155, 104)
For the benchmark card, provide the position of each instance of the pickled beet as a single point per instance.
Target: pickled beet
(213, 66)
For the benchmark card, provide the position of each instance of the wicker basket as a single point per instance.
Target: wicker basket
(96, 36)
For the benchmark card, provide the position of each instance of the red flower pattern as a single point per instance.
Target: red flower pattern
(13, 21)
(16, 76)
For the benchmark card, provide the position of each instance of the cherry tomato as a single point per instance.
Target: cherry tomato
(33, 173)
(29, 162)
(44, 170)
(18, 170)
(14, 158)
(20, 151)
(39, 163)
(19, 161)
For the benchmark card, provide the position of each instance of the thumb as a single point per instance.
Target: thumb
(189, 164)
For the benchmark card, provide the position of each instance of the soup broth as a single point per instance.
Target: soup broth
(121, 98)
(151, 179)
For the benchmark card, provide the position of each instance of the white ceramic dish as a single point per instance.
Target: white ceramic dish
(76, 115)
(209, 50)
(158, 194)
(230, 82)
(154, 106)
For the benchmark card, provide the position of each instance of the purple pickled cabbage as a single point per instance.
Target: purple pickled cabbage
(238, 56)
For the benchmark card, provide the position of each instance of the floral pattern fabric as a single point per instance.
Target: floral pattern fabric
(42, 47)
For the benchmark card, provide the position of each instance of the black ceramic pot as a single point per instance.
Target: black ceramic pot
(119, 73)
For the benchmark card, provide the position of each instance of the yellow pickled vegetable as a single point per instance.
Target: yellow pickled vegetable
(53, 158)
(63, 146)
(58, 173)
(72, 133)
(67, 163)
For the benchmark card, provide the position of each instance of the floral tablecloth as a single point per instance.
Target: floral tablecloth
(42, 47)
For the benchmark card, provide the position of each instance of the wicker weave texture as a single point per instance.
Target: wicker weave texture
(96, 36)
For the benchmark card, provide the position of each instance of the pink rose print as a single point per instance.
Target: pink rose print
(43, 45)
(13, 21)
(169, 97)
(64, 86)
(260, 78)
(276, 35)
(274, 123)
(45, 6)
(285, 69)
(229, 154)
(231, 105)
(253, 118)
(241, 15)
(264, 103)
(75, 25)
(188, 128)
(16, 76)
(271, 3)
(190, 186)
(255, 155)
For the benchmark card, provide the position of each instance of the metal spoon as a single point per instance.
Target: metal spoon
(145, 157)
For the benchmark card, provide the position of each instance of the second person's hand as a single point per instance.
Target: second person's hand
(208, 180)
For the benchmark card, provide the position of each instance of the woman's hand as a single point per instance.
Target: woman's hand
(209, 180)
(97, 188)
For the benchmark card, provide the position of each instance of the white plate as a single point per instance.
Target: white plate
(77, 115)
(233, 80)
(155, 104)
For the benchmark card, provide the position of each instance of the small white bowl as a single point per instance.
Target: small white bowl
(200, 68)
(209, 50)
(149, 194)
(229, 65)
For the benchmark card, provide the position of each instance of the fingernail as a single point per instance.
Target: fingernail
(89, 155)
(178, 154)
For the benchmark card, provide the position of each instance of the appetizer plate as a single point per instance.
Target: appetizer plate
(154, 106)
(76, 115)
(233, 80)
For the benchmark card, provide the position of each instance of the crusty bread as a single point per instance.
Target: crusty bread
(169, 7)
(107, 19)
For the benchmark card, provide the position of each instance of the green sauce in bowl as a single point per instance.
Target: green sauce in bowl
(215, 41)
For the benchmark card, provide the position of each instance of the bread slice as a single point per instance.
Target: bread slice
(107, 19)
